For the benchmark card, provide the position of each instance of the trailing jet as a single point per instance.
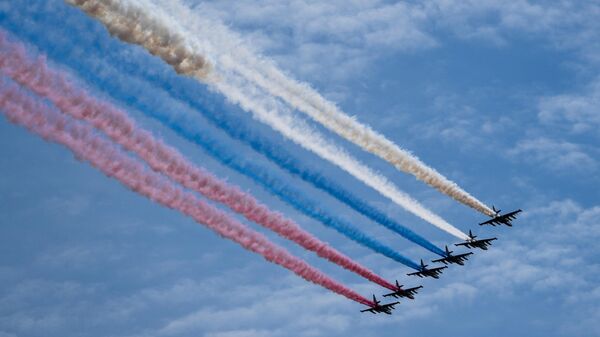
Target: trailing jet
(380, 308)
(472, 243)
(408, 293)
(424, 272)
(501, 219)
(449, 258)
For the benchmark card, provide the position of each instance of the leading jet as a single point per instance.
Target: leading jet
(449, 258)
(472, 243)
(377, 308)
(400, 292)
(425, 272)
(501, 219)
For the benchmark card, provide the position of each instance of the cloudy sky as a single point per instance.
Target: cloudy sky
(502, 97)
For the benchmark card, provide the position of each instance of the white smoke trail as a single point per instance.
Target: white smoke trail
(144, 21)
(130, 22)
(236, 56)
(282, 120)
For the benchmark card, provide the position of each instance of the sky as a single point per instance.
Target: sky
(501, 97)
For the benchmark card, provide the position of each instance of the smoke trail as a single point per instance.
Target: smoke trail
(280, 120)
(286, 161)
(132, 25)
(23, 110)
(264, 73)
(300, 133)
(125, 89)
(278, 187)
(163, 159)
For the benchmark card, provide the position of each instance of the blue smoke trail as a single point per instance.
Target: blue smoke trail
(184, 91)
(285, 160)
(276, 186)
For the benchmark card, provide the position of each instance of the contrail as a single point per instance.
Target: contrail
(264, 73)
(275, 117)
(54, 85)
(22, 109)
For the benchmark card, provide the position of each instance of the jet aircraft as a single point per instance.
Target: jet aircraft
(380, 308)
(408, 293)
(449, 258)
(501, 219)
(472, 243)
(425, 272)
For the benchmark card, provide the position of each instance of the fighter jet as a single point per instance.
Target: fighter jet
(472, 243)
(501, 219)
(449, 258)
(408, 293)
(377, 308)
(424, 272)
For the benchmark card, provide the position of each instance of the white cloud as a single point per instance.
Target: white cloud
(578, 112)
(288, 307)
(6, 334)
(554, 155)
(244, 333)
(340, 36)
(309, 37)
(71, 205)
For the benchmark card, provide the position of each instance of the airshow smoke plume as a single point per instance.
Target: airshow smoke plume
(235, 56)
(260, 106)
(20, 108)
(53, 85)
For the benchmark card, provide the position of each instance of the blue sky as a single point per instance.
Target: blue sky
(502, 98)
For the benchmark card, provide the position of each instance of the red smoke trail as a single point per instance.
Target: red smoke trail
(80, 139)
(53, 85)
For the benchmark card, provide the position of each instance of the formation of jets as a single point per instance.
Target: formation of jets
(447, 258)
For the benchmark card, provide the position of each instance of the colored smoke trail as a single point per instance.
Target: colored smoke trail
(35, 75)
(263, 109)
(235, 56)
(297, 131)
(286, 161)
(133, 24)
(22, 109)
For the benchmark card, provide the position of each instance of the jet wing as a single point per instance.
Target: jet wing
(418, 273)
(395, 294)
(385, 308)
(437, 270)
(483, 243)
(432, 272)
(444, 260)
(466, 244)
(389, 306)
(463, 256)
(511, 215)
(413, 290)
(410, 292)
(502, 219)
(486, 241)
(492, 222)
(459, 259)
